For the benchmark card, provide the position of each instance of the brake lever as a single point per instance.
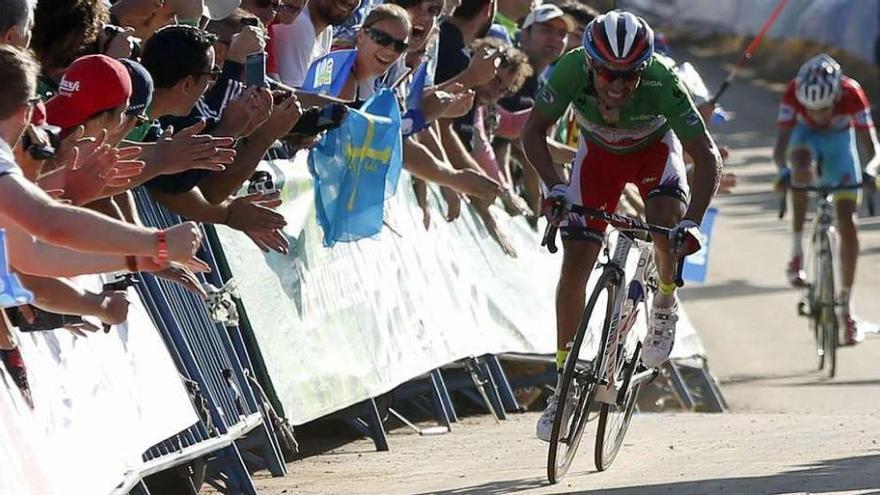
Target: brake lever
(549, 239)
(679, 264)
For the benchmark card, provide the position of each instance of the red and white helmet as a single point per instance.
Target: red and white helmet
(818, 82)
(619, 38)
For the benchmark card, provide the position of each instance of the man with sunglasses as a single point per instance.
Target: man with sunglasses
(635, 117)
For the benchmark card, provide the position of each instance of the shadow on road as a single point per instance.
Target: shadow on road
(834, 475)
(732, 288)
(496, 487)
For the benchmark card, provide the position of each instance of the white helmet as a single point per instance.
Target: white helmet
(818, 82)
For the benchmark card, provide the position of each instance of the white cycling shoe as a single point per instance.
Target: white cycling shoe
(544, 428)
(661, 336)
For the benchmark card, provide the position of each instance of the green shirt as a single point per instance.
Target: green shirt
(660, 103)
(138, 134)
(508, 24)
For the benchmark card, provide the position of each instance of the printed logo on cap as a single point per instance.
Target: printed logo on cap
(67, 87)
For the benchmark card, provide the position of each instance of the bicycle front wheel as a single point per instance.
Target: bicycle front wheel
(614, 419)
(828, 315)
(569, 425)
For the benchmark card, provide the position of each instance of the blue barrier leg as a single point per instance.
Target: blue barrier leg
(490, 387)
(504, 390)
(238, 480)
(369, 424)
(440, 383)
(439, 408)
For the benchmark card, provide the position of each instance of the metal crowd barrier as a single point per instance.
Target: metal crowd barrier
(213, 356)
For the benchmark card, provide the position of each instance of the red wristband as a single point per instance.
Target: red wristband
(161, 247)
(132, 264)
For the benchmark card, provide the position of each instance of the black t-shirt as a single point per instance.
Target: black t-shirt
(453, 58)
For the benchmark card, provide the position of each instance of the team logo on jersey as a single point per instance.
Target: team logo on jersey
(692, 119)
(547, 95)
(651, 82)
(786, 113)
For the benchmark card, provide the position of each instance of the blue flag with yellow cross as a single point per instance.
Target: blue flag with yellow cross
(356, 168)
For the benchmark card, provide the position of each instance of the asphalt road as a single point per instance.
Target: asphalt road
(790, 429)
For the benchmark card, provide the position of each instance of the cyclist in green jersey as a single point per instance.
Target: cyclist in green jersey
(634, 114)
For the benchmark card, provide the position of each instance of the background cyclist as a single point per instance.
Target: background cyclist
(822, 117)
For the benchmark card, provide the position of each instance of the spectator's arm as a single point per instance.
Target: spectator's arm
(430, 137)
(419, 161)
(459, 156)
(128, 208)
(193, 205)
(30, 256)
(65, 297)
(218, 186)
(308, 100)
(28, 207)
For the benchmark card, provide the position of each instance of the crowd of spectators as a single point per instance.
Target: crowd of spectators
(102, 102)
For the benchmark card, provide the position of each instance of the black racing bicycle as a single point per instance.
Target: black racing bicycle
(819, 302)
(613, 372)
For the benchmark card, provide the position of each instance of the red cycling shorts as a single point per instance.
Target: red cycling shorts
(598, 178)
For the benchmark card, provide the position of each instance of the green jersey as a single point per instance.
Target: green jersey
(660, 103)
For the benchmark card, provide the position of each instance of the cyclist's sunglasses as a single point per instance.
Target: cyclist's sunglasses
(384, 39)
(608, 75)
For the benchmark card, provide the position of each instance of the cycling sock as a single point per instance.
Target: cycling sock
(561, 356)
(667, 289)
(845, 295)
(797, 244)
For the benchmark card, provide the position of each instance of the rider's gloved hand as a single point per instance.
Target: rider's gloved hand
(686, 238)
(556, 205)
(783, 179)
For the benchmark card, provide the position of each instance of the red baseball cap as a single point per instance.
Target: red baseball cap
(92, 84)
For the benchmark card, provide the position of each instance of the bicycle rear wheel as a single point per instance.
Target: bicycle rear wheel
(565, 438)
(614, 419)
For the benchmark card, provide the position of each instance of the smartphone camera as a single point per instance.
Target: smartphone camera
(261, 182)
(255, 69)
(42, 142)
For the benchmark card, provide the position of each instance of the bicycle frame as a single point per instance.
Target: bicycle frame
(618, 331)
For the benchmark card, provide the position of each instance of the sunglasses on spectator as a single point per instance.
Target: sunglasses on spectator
(609, 75)
(382, 38)
(213, 74)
